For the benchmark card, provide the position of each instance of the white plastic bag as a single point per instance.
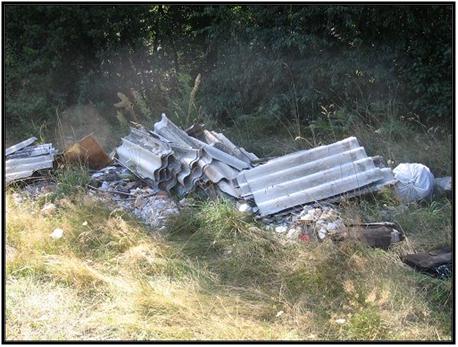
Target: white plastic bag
(415, 182)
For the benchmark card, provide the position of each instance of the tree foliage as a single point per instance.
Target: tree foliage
(259, 62)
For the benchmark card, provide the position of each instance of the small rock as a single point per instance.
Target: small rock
(315, 213)
(270, 227)
(244, 208)
(97, 175)
(17, 198)
(329, 215)
(64, 202)
(443, 185)
(105, 186)
(307, 218)
(254, 229)
(184, 202)
(10, 253)
(340, 321)
(321, 223)
(322, 233)
(139, 202)
(84, 223)
(57, 233)
(293, 233)
(395, 236)
(281, 229)
(48, 209)
(331, 226)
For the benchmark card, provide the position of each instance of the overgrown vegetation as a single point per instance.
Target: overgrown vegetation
(215, 274)
(263, 67)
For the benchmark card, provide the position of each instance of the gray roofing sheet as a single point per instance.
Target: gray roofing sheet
(24, 167)
(20, 145)
(173, 133)
(310, 175)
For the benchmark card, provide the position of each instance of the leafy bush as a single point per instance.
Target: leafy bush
(274, 64)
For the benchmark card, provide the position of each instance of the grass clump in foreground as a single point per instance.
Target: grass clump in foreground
(215, 275)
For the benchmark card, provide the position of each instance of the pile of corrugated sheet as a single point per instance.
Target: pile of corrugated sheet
(23, 159)
(170, 159)
(308, 176)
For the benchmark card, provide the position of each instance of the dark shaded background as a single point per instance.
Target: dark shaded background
(264, 65)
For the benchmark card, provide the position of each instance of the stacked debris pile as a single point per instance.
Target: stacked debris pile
(118, 185)
(172, 160)
(23, 159)
(325, 173)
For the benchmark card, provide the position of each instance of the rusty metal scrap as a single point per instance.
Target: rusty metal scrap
(87, 151)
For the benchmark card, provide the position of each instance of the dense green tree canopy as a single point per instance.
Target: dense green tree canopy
(256, 61)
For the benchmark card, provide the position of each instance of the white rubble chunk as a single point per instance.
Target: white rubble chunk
(57, 234)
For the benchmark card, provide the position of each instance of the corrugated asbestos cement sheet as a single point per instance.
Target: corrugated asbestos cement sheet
(309, 176)
(20, 145)
(25, 167)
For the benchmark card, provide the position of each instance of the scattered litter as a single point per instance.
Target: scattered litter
(87, 151)
(23, 159)
(84, 223)
(304, 237)
(34, 190)
(340, 321)
(414, 182)
(116, 184)
(437, 263)
(308, 176)
(153, 210)
(57, 233)
(323, 222)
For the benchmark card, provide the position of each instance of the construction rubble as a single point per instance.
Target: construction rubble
(153, 171)
(23, 159)
(118, 185)
(171, 160)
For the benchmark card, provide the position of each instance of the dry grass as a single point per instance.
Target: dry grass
(216, 276)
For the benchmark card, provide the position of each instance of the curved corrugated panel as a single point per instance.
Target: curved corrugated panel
(309, 176)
